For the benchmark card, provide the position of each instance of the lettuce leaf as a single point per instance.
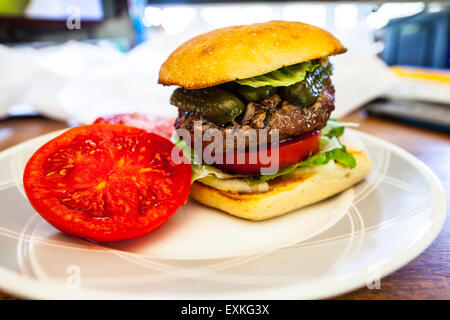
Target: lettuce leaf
(338, 154)
(333, 129)
(282, 77)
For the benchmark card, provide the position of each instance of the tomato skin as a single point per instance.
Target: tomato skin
(289, 152)
(106, 182)
(151, 123)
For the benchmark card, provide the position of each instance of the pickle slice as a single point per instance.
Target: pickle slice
(305, 93)
(256, 94)
(214, 104)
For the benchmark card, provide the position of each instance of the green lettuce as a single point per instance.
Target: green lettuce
(333, 129)
(282, 77)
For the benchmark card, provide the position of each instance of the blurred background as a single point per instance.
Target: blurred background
(75, 60)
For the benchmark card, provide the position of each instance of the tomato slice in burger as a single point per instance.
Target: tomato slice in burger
(279, 156)
(107, 182)
(151, 123)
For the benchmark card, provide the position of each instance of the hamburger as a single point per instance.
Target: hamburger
(254, 118)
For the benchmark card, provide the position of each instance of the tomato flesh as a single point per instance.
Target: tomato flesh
(157, 124)
(289, 152)
(107, 182)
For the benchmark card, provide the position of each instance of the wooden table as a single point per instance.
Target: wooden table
(426, 277)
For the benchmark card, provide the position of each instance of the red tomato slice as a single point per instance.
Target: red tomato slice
(107, 182)
(289, 152)
(151, 123)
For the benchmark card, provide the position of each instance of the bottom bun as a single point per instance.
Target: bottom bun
(284, 194)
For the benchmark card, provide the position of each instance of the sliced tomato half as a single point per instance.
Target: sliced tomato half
(107, 182)
(279, 156)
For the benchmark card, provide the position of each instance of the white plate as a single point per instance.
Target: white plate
(388, 220)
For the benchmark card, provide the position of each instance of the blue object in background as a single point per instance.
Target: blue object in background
(420, 40)
(136, 10)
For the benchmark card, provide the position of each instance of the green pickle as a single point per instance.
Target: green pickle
(256, 94)
(214, 104)
(305, 93)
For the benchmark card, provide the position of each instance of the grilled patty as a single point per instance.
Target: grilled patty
(270, 114)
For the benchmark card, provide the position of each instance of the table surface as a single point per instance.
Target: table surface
(426, 277)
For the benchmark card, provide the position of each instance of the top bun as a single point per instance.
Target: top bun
(240, 52)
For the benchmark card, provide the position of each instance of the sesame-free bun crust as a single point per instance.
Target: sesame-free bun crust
(240, 52)
(284, 195)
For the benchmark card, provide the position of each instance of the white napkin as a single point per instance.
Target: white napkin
(359, 78)
(23, 81)
(79, 81)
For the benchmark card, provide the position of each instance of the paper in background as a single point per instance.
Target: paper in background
(79, 81)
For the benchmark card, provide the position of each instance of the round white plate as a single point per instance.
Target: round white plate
(326, 249)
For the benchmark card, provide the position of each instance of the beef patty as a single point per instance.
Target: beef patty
(270, 114)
